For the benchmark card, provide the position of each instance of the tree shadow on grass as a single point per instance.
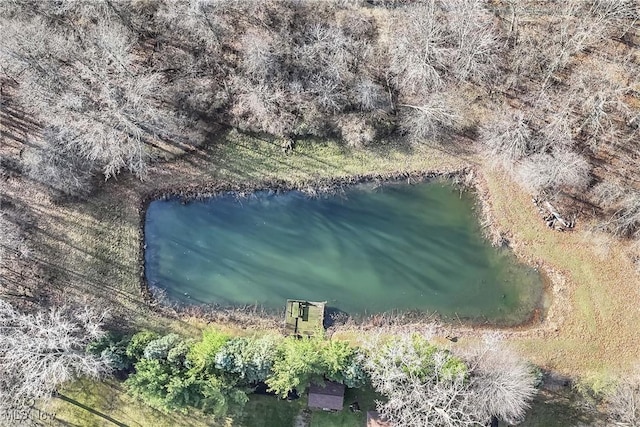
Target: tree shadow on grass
(561, 408)
(91, 410)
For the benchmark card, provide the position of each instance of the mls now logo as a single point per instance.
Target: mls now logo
(23, 413)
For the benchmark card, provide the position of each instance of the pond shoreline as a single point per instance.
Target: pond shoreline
(243, 189)
(467, 178)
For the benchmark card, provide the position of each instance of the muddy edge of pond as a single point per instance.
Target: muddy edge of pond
(467, 178)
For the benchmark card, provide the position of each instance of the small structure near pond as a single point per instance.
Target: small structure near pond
(304, 318)
(328, 396)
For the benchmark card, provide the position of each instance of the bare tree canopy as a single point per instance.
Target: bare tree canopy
(553, 171)
(86, 82)
(39, 352)
(502, 380)
(114, 83)
(426, 385)
(623, 207)
(434, 41)
(10, 236)
(508, 138)
(623, 402)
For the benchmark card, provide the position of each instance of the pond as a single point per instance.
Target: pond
(369, 249)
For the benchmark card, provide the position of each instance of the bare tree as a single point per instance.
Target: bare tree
(54, 163)
(472, 32)
(544, 48)
(429, 120)
(327, 47)
(626, 220)
(623, 403)
(301, 70)
(599, 102)
(623, 205)
(614, 11)
(87, 83)
(557, 133)
(608, 193)
(259, 59)
(425, 385)
(39, 352)
(263, 107)
(435, 40)
(328, 93)
(502, 381)
(202, 24)
(356, 130)
(13, 237)
(507, 138)
(553, 171)
(418, 49)
(371, 96)
(10, 236)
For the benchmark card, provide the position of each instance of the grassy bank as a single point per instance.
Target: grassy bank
(595, 334)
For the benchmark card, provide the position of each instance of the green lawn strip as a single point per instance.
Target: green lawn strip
(92, 403)
(242, 157)
(106, 403)
(366, 398)
(565, 408)
(270, 411)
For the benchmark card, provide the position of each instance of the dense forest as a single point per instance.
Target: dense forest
(549, 91)
(91, 91)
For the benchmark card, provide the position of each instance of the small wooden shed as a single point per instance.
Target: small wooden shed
(328, 396)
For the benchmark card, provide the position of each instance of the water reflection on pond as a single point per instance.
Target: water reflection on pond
(366, 250)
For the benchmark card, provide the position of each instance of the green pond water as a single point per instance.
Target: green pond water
(369, 249)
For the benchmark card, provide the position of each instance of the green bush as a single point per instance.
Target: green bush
(353, 374)
(248, 358)
(160, 347)
(300, 362)
(150, 382)
(112, 347)
(138, 343)
(202, 355)
(177, 356)
(423, 359)
(174, 374)
(336, 356)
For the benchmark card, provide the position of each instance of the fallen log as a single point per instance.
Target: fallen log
(557, 216)
(551, 216)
